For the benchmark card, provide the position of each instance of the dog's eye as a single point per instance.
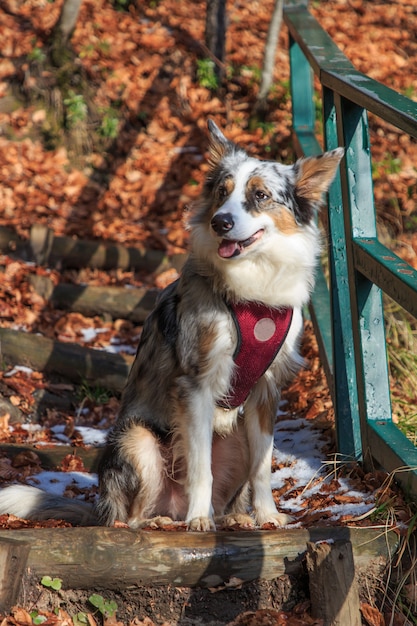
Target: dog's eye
(260, 195)
(222, 191)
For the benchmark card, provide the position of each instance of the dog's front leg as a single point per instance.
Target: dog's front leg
(196, 437)
(260, 413)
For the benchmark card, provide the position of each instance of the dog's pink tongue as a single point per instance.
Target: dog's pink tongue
(228, 248)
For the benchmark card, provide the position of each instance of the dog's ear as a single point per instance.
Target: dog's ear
(313, 177)
(219, 145)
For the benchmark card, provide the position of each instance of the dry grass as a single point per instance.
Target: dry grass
(401, 334)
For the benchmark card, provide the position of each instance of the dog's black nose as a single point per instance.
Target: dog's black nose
(222, 223)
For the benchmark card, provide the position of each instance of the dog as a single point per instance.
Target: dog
(194, 437)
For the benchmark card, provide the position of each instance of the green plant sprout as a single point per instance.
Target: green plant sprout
(80, 619)
(76, 109)
(109, 125)
(52, 583)
(37, 55)
(107, 608)
(36, 618)
(206, 74)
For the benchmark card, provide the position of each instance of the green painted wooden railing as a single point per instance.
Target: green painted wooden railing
(348, 314)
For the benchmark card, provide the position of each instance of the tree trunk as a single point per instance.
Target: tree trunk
(269, 58)
(68, 19)
(61, 51)
(215, 33)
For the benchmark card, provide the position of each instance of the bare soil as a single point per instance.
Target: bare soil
(180, 605)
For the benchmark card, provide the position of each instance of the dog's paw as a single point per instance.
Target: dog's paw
(231, 520)
(155, 523)
(201, 524)
(276, 519)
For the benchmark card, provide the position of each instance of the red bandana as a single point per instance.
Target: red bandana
(261, 332)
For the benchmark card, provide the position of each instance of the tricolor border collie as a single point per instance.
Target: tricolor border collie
(194, 437)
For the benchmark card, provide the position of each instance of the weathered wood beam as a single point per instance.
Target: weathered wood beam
(51, 455)
(13, 559)
(117, 302)
(333, 589)
(117, 558)
(74, 362)
(46, 249)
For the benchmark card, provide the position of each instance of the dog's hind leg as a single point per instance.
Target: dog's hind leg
(143, 450)
(131, 477)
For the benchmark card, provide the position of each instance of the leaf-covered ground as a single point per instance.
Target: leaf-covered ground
(129, 171)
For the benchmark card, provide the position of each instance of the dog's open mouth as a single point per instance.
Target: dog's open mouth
(229, 248)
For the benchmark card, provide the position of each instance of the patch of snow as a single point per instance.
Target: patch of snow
(89, 334)
(56, 482)
(59, 434)
(116, 347)
(90, 436)
(299, 450)
(30, 428)
(19, 368)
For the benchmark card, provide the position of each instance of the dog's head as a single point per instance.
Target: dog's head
(248, 202)
(254, 228)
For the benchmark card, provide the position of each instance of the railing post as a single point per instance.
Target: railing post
(303, 111)
(366, 299)
(345, 395)
(306, 144)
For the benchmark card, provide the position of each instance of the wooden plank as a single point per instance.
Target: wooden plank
(378, 99)
(393, 451)
(320, 314)
(383, 267)
(51, 455)
(317, 46)
(336, 72)
(53, 251)
(345, 395)
(305, 142)
(303, 113)
(13, 558)
(366, 299)
(302, 102)
(70, 360)
(333, 588)
(119, 558)
(133, 304)
(63, 252)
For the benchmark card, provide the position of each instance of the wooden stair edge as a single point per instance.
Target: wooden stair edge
(119, 558)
